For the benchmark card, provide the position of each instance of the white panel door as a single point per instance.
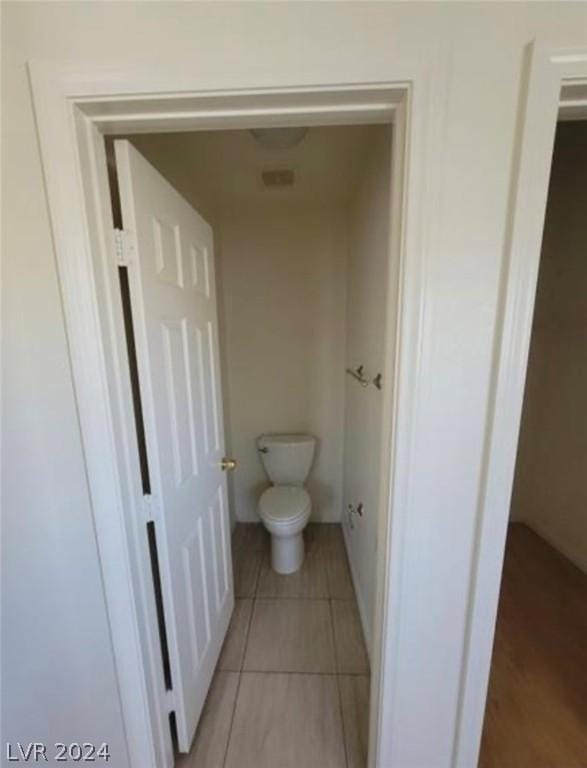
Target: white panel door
(173, 299)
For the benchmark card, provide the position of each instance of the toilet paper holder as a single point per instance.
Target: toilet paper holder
(359, 375)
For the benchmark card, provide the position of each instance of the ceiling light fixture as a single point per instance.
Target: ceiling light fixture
(279, 138)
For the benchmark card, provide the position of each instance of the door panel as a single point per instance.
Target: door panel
(173, 299)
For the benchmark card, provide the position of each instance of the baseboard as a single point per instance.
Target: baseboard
(575, 555)
(366, 627)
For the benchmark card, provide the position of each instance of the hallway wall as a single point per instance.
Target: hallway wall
(550, 489)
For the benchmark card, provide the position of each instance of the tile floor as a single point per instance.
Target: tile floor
(291, 689)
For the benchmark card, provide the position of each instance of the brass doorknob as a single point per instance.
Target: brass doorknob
(227, 464)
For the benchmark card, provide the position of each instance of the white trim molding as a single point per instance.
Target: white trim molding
(553, 81)
(75, 106)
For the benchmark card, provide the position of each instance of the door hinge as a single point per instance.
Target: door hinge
(170, 700)
(123, 247)
(149, 507)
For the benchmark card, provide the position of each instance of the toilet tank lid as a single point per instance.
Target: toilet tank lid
(285, 439)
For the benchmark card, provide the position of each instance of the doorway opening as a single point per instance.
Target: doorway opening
(303, 283)
(537, 700)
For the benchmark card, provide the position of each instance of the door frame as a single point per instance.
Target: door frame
(75, 107)
(554, 84)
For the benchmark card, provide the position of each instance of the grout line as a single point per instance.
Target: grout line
(240, 676)
(232, 714)
(249, 625)
(344, 739)
(258, 575)
(247, 631)
(264, 598)
(285, 598)
(340, 707)
(336, 674)
(305, 674)
(334, 643)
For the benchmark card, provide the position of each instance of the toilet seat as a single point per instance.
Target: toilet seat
(285, 510)
(284, 504)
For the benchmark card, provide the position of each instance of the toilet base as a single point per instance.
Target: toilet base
(287, 553)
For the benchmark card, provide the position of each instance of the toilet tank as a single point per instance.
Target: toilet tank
(287, 458)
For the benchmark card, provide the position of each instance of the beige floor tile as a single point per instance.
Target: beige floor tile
(351, 654)
(253, 537)
(322, 537)
(246, 565)
(354, 694)
(309, 581)
(340, 584)
(286, 721)
(233, 650)
(290, 636)
(327, 542)
(210, 742)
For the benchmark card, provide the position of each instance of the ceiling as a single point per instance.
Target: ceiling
(223, 167)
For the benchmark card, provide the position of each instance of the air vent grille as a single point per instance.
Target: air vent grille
(282, 177)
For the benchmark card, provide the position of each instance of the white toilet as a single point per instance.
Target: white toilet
(285, 507)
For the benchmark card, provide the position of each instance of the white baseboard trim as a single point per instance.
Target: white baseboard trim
(365, 624)
(577, 555)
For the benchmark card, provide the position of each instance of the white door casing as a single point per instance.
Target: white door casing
(118, 99)
(173, 300)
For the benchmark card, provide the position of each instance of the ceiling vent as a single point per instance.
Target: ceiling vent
(282, 177)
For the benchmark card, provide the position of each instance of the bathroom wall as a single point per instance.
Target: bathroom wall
(284, 302)
(365, 337)
(288, 328)
(550, 489)
(281, 265)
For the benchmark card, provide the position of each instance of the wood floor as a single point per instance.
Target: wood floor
(537, 705)
(291, 689)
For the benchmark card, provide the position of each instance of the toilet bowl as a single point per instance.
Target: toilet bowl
(285, 507)
(285, 511)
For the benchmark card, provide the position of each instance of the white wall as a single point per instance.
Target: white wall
(281, 262)
(550, 491)
(475, 54)
(58, 676)
(365, 336)
(283, 290)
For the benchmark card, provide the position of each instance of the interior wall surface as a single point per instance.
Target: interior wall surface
(58, 677)
(281, 274)
(550, 491)
(366, 335)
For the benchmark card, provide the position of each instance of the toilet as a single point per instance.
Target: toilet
(285, 507)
